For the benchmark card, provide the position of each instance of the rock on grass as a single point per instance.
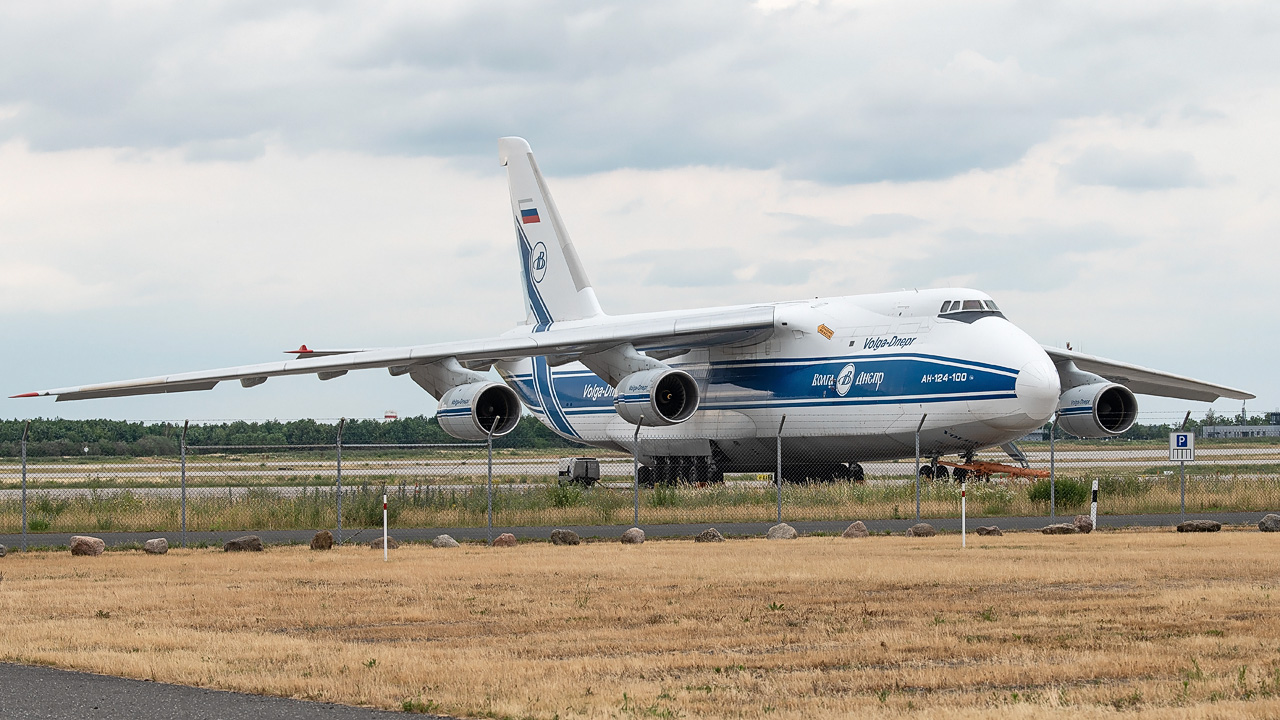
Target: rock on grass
(1270, 523)
(444, 541)
(709, 535)
(1084, 524)
(1060, 529)
(634, 536)
(156, 546)
(248, 543)
(565, 537)
(989, 530)
(856, 530)
(376, 543)
(782, 531)
(921, 530)
(1199, 526)
(322, 540)
(505, 540)
(85, 545)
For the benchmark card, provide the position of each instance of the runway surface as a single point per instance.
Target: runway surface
(42, 693)
(611, 532)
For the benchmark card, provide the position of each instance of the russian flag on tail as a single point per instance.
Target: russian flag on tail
(528, 214)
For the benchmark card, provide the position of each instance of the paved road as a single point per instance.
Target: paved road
(746, 529)
(41, 693)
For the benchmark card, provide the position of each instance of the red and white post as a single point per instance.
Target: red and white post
(964, 535)
(384, 528)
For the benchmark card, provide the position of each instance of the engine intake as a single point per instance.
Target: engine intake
(475, 410)
(1099, 410)
(662, 396)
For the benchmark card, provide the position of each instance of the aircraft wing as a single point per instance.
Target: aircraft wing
(666, 332)
(1147, 381)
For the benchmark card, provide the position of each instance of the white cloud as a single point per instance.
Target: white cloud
(192, 186)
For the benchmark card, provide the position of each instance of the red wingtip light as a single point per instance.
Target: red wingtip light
(302, 350)
(35, 394)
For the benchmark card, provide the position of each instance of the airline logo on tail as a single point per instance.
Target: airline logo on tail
(528, 214)
(538, 260)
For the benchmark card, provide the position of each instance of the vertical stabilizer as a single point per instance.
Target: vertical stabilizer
(556, 288)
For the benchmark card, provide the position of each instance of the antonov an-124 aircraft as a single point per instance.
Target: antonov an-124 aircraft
(853, 376)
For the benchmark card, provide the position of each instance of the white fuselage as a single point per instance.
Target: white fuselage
(890, 360)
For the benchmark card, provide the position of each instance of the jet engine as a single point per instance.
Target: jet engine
(1098, 410)
(661, 396)
(475, 410)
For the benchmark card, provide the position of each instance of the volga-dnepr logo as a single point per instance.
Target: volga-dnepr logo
(538, 262)
(844, 380)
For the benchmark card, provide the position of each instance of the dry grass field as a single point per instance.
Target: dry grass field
(1150, 624)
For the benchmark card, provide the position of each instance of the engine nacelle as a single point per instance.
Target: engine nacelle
(474, 410)
(1099, 410)
(662, 396)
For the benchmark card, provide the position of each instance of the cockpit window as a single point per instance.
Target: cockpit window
(945, 304)
(972, 304)
(991, 305)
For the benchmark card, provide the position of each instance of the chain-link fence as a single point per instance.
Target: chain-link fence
(468, 485)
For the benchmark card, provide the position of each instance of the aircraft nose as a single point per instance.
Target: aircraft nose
(1038, 388)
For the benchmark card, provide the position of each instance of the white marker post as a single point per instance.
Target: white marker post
(1093, 507)
(384, 528)
(964, 535)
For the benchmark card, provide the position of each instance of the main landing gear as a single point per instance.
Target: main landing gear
(671, 470)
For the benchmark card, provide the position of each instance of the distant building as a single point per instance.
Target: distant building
(1041, 435)
(1274, 417)
(1240, 431)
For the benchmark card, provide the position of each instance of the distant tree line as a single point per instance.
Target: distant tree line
(59, 438)
(1161, 431)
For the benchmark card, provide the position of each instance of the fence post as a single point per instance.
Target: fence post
(778, 475)
(964, 515)
(918, 427)
(1053, 431)
(341, 422)
(183, 446)
(497, 420)
(635, 441)
(25, 429)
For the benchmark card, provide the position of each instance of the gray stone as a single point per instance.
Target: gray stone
(1083, 524)
(1060, 529)
(634, 536)
(323, 540)
(782, 531)
(376, 543)
(1199, 526)
(444, 541)
(505, 540)
(156, 546)
(565, 537)
(3, 551)
(248, 543)
(921, 530)
(989, 530)
(709, 535)
(856, 530)
(84, 545)
(1270, 523)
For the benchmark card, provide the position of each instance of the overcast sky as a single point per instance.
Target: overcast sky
(193, 185)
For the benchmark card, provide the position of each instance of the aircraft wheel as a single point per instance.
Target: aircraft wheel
(940, 472)
(646, 476)
(960, 474)
(926, 472)
(856, 474)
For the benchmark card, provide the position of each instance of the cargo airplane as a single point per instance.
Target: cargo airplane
(697, 393)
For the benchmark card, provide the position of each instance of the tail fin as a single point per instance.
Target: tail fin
(556, 287)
